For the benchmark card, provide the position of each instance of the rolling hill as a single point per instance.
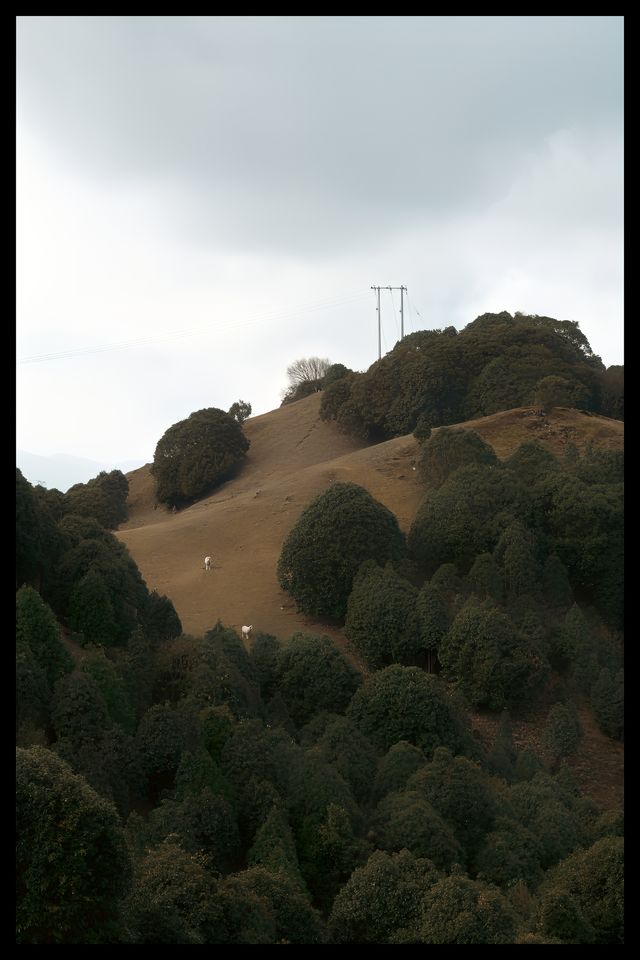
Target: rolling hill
(293, 457)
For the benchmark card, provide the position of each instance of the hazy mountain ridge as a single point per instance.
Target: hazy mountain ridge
(61, 471)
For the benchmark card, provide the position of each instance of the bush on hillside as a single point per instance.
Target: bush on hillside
(381, 619)
(337, 531)
(448, 450)
(104, 498)
(72, 863)
(197, 454)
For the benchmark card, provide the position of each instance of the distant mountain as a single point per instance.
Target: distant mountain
(62, 471)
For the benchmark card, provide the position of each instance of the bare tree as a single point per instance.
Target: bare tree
(307, 370)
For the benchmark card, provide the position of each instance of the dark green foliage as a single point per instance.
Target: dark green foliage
(562, 731)
(381, 620)
(197, 454)
(112, 687)
(283, 914)
(399, 763)
(381, 898)
(423, 428)
(314, 675)
(448, 450)
(339, 530)
(612, 393)
(109, 763)
(38, 631)
(33, 693)
(52, 499)
(263, 655)
(542, 805)
(213, 670)
(582, 899)
(197, 772)
(104, 499)
(531, 462)
(572, 636)
(163, 734)
(274, 848)
(75, 529)
(78, 708)
(329, 850)
(240, 411)
(607, 700)
(325, 820)
(335, 398)
(403, 703)
(217, 725)
(161, 622)
(344, 747)
(485, 579)
(553, 392)
(527, 765)
(599, 465)
(509, 853)
(137, 669)
(556, 588)
(107, 556)
(516, 553)
(72, 864)
(407, 821)
(174, 899)
(432, 614)
(493, 364)
(258, 762)
(337, 371)
(464, 517)
(459, 910)
(90, 612)
(484, 655)
(202, 821)
(39, 543)
(459, 791)
(501, 759)
(586, 524)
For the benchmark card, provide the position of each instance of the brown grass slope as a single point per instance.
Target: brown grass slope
(293, 457)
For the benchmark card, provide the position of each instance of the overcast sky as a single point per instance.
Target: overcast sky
(203, 200)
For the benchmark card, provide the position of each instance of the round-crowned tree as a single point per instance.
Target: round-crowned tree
(337, 532)
(449, 449)
(72, 863)
(196, 454)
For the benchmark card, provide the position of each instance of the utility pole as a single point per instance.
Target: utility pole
(379, 332)
(402, 290)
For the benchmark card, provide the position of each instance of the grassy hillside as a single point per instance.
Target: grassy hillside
(293, 457)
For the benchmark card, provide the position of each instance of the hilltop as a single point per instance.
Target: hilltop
(293, 457)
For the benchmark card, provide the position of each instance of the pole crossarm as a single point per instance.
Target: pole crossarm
(402, 290)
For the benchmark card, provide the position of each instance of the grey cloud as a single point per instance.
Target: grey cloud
(308, 134)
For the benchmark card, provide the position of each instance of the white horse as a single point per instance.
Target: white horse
(246, 632)
(207, 563)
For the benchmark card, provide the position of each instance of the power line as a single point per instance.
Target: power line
(326, 304)
(402, 290)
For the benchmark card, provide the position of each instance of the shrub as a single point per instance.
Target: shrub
(197, 454)
(338, 531)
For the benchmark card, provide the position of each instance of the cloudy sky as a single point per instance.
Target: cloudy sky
(203, 200)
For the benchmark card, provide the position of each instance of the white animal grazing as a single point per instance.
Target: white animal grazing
(207, 563)
(246, 632)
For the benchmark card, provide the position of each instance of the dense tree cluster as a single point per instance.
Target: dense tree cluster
(182, 789)
(433, 378)
(195, 455)
(338, 531)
